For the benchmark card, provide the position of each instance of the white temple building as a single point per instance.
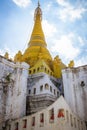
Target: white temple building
(38, 92)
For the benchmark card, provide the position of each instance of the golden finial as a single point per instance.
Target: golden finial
(6, 55)
(71, 64)
(38, 12)
(38, 3)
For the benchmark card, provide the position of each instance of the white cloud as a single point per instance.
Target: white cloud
(81, 61)
(77, 13)
(10, 52)
(64, 46)
(81, 41)
(63, 2)
(70, 12)
(49, 29)
(22, 3)
(1, 52)
(48, 7)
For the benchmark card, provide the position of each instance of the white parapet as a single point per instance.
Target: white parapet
(56, 116)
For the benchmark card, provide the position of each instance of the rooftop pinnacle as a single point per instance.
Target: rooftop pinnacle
(37, 36)
(37, 43)
(38, 3)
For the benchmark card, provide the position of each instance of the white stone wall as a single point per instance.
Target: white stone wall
(1, 104)
(5, 69)
(62, 123)
(16, 101)
(13, 92)
(75, 93)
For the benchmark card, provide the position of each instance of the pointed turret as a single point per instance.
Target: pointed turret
(37, 36)
(37, 43)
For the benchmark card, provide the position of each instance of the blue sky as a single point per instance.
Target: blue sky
(64, 24)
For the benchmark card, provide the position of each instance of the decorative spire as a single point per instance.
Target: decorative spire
(37, 36)
(38, 12)
(38, 3)
(37, 47)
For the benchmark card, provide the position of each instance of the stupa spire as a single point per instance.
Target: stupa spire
(37, 36)
(38, 3)
(37, 46)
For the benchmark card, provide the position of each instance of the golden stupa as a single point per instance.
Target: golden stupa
(37, 54)
(37, 44)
